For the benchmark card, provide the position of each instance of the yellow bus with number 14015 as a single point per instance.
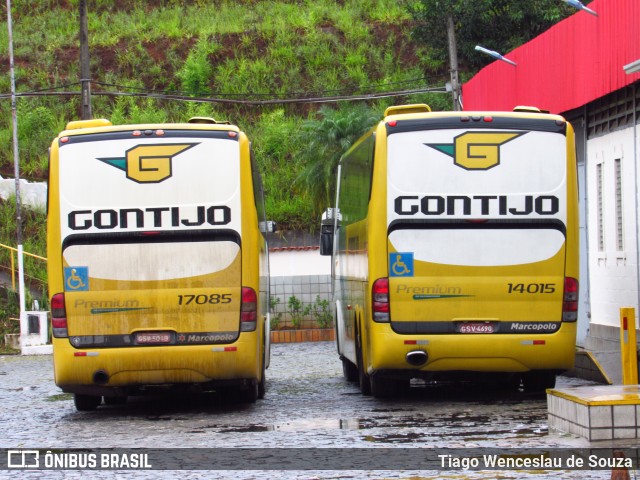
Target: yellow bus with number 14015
(454, 242)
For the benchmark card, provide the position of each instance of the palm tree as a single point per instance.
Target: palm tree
(324, 141)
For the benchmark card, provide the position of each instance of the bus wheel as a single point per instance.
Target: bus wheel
(349, 370)
(249, 394)
(539, 380)
(363, 378)
(384, 387)
(86, 403)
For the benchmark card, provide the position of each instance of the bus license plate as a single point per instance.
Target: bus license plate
(476, 328)
(146, 338)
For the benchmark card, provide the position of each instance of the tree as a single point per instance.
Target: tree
(324, 141)
(500, 25)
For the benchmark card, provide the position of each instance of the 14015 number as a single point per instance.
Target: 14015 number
(531, 287)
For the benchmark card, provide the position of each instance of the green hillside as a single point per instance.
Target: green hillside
(231, 51)
(302, 78)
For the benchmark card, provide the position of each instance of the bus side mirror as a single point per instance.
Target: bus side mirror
(327, 230)
(326, 240)
(267, 227)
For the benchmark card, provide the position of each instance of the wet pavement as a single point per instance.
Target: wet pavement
(308, 405)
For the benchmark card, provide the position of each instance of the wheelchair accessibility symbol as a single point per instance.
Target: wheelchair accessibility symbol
(76, 278)
(401, 264)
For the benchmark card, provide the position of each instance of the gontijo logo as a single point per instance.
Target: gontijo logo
(476, 150)
(148, 163)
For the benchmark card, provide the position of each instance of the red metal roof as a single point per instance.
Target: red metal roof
(573, 63)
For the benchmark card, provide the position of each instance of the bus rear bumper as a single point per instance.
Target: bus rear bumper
(126, 371)
(509, 353)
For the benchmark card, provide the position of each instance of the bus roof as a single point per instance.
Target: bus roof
(82, 127)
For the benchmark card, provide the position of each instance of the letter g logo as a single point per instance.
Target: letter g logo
(476, 150)
(148, 163)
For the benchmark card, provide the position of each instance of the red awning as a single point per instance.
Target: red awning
(573, 63)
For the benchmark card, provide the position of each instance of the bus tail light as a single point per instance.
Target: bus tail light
(59, 316)
(570, 300)
(380, 300)
(248, 310)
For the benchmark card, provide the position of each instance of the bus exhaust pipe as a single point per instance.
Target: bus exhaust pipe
(417, 358)
(100, 377)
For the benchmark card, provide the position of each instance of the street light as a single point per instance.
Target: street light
(578, 4)
(495, 54)
(633, 67)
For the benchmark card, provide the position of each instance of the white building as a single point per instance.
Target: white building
(576, 69)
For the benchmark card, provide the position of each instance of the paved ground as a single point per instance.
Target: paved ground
(308, 405)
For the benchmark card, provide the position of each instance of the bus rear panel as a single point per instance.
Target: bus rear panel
(472, 252)
(154, 261)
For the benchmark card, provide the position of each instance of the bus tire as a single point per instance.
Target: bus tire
(249, 394)
(537, 381)
(363, 378)
(349, 370)
(86, 403)
(384, 387)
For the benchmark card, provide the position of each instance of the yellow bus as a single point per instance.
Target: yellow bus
(454, 243)
(158, 266)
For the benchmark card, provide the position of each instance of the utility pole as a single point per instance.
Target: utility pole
(453, 61)
(16, 167)
(85, 75)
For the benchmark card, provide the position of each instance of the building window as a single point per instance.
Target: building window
(619, 224)
(600, 206)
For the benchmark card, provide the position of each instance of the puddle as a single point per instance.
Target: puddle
(158, 418)
(248, 429)
(298, 425)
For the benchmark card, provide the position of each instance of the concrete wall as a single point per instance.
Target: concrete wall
(612, 219)
(290, 261)
(613, 260)
(306, 289)
(31, 194)
(302, 273)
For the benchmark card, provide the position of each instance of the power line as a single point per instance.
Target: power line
(306, 98)
(305, 94)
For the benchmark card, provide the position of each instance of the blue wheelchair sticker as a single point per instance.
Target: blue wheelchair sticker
(76, 279)
(401, 264)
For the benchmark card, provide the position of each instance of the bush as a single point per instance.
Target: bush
(274, 317)
(296, 311)
(321, 313)
(9, 311)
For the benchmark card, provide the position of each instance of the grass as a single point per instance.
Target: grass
(5, 350)
(223, 48)
(33, 241)
(35, 270)
(271, 47)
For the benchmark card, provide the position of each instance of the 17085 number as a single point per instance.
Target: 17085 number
(212, 299)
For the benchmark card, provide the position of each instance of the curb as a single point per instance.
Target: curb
(307, 335)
